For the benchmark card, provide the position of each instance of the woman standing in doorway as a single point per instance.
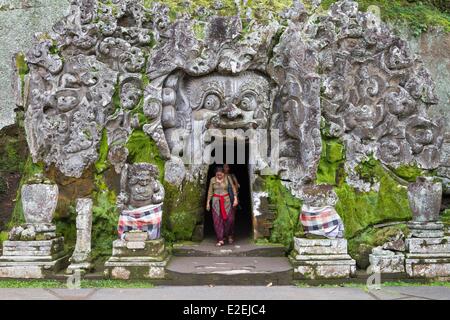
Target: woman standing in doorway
(232, 180)
(222, 207)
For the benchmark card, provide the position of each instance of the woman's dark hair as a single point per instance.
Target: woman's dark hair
(219, 169)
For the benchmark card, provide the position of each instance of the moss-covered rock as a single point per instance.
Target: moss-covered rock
(360, 246)
(183, 210)
(287, 208)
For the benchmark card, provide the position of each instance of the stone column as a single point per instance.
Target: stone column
(427, 247)
(81, 257)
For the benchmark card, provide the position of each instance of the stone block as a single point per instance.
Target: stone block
(394, 263)
(320, 246)
(322, 259)
(134, 269)
(137, 260)
(122, 248)
(313, 269)
(428, 265)
(32, 259)
(428, 245)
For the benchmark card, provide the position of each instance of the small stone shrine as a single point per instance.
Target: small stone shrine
(33, 249)
(139, 252)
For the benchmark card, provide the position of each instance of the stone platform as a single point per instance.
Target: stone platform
(32, 259)
(137, 260)
(229, 270)
(428, 257)
(240, 248)
(321, 259)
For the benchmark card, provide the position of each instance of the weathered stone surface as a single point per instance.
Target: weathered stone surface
(39, 202)
(392, 263)
(424, 197)
(113, 39)
(428, 245)
(81, 256)
(152, 248)
(135, 270)
(320, 247)
(428, 265)
(19, 20)
(32, 259)
(434, 229)
(322, 259)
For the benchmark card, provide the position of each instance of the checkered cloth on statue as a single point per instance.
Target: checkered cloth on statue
(146, 218)
(322, 221)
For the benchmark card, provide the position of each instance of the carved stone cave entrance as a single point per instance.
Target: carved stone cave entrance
(239, 166)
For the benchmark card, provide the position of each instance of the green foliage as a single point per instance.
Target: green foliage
(417, 15)
(104, 218)
(66, 226)
(445, 217)
(53, 284)
(3, 236)
(288, 209)
(10, 159)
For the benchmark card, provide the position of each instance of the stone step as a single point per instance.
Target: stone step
(243, 248)
(229, 271)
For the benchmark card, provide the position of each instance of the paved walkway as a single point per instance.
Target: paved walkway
(234, 292)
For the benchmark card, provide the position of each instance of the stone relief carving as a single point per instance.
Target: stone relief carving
(109, 59)
(375, 91)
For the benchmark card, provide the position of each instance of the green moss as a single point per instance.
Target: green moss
(370, 238)
(183, 207)
(362, 209)
(288, 209)
(29, 170)
(330, 169)
(417, 15)
(182, 224)
(408, 173)
(102, 162)
(142, 148)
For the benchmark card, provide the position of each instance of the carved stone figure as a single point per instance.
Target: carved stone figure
(140, 186)
(140, 200)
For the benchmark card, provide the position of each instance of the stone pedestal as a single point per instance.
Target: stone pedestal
(32, 259)
(387, 261)
(137, 260)
(322, 259)
(428, 257)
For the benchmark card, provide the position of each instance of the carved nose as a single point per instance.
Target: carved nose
(231, 112)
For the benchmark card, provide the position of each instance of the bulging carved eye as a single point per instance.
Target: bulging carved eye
(212, 102)
(248, 103)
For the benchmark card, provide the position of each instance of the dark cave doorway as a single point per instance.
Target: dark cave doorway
(239, 166)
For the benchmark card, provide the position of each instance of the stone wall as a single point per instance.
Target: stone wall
(19, 21)
(433, 46)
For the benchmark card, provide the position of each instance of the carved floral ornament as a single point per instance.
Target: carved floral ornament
(375, 93)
